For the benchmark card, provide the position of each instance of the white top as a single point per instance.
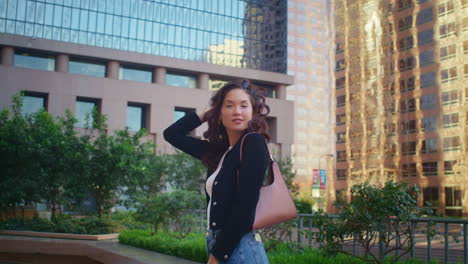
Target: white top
(209, 185)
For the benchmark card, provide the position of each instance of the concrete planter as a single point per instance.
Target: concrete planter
(59, 235)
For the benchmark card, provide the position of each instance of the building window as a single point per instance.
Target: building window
(407, 105)
(340, 101)
(87, 68)
(451, 143)
(430, 168)
(341, 174)
(33, 102)
(339, 48)
(431, 197)
(216, 84)
(427, 102)
(340, 83)
(341, 137)
(340, 119)
(340, 65)
(448, 52)
(405, 23)
(450, 120)
(447, 30)
(406, 64)
(426, 58)
(448, 75)
(35, 61)
(450, 97)
(448, 167)
(181, 80)
(409, 170)
(445, 8)
(341, 156)
(404, 4)
(391, 108)
(408, 126)
(453, 201)
(425, 37)
(408, 148)
(405, 43)
(428, 79)
(269, 90)
(135, 74)
(180, 112)
(465, 24)
(422, 1)
(465, 71)
(390, 129)
(84, 108)
(429, 146)
(429, 123)
(407, 85)
(424, 16)
(465, 46)
(137, 116)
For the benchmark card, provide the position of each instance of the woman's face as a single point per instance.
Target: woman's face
(236, 111)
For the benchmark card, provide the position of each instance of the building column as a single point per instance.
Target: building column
(7, 56)
(281, 91)
(203, 81)
(62, 63)
(159, 75)
(113, 70)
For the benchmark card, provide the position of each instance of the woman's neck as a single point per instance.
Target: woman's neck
(233, 137)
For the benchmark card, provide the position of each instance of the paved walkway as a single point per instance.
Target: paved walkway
(107, 252)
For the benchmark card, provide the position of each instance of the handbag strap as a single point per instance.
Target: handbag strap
(270, 169)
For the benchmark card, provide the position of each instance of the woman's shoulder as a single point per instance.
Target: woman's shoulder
(254, 139)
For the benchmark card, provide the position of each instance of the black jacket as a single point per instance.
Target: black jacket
(233, 207)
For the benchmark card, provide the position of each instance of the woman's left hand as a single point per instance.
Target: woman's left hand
(212, 260)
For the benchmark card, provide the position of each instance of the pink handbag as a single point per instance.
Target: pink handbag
(275, 204)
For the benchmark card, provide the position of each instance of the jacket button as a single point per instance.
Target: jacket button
(215, 182)
(225, 256)
(213, 224)
(215, 203)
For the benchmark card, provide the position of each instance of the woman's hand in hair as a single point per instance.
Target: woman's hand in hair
(212, 260)
(202, 114)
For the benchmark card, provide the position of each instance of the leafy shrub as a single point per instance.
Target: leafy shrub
(303, 206)
(127, 220)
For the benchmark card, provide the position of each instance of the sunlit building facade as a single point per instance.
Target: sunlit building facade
(143, 63)
(401, 97)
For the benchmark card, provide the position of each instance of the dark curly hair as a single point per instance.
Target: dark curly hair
(216, 133)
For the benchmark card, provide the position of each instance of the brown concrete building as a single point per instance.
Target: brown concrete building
(401, 97)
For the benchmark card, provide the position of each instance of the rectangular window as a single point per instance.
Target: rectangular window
(450, 97)
(135, 74)
(37, 61)
(341, 156)
(465, 24)
(448, 167)
(270, 90)
(409, 170)
(341, 174)
(87, 68)
(427, 102)
(216, 84)
(340, 101)
(453, 201)
(465, 46)
(429, 146)
(33, 102)
(447, 30)
(405, 43)
(181, 80)
(408, 127)
(448, 75)
(448, 52)
(430, 168)
(180, 112)
(406, 64)
(404, 4)
(407, 85)
(450, 120)
(426, 58)
(445, 8)
(451, 143)
(408, 148)
(390, 129)
(84, 108)
(405, 23)
(340, 83)
(407, 105)
(429, 123)
(391, 108)
(465, 67)
(424, 16)
(340, 65)
(431, 196)
(425, 37)
(137, 116)
(428, 79)
(341, 137)
(340, 119)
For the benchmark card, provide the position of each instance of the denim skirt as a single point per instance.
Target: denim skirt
(248, 251)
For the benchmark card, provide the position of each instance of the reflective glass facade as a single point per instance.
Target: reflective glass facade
(34, 61)
(246, 34)
(33, 103)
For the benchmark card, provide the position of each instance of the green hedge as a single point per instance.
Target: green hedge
(193, 248)
(63, 224)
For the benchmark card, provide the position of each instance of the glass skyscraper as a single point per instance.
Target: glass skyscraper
(244, 34)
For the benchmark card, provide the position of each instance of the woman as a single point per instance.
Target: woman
(233, 186)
